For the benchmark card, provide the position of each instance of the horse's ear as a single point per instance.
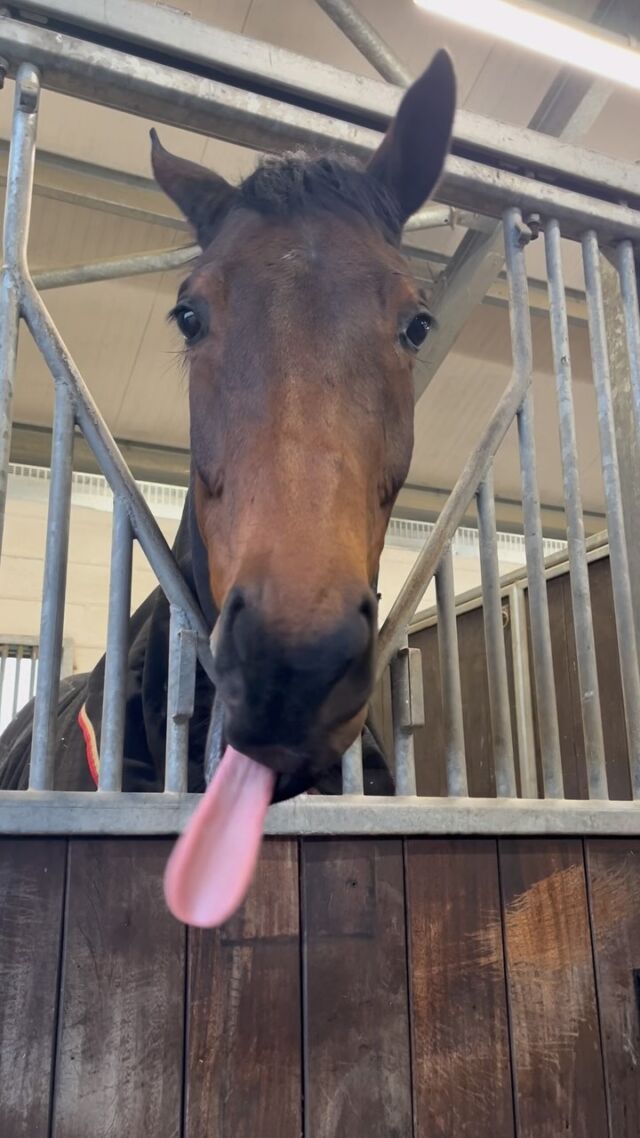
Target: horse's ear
(200, 194)
(411, 156)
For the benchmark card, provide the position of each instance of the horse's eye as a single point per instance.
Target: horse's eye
(188, 322)
(417, 330)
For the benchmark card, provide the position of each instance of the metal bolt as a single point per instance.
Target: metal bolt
(4, 67)
(534, 221)
(28, 84)
(523, 234)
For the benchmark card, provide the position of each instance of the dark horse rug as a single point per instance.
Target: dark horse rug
(77, 761)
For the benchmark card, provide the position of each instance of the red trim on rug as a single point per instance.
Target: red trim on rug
(91, 747)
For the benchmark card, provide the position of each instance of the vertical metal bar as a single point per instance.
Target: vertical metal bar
(456, 762)
(352, 774)
(631, 306)
(520, 321)
(16, 680)
(32, 672)
(578, 566)
(53, 594)
(405, 763)
(497, 677)
(17, 211)
(4, 655)
(115, 670)
(180, 700)
(522, 693)
(620, 579)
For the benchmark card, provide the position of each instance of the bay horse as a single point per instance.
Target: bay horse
(301, 322)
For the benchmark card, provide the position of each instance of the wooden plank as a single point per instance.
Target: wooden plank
(244, 1062)
(32, 873)
(462, 1075)
(556, 1055)
(431, 775)
(357, 1055)
(122, 1008)
(613, 723)
(613, 867)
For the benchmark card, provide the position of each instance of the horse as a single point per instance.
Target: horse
(301, 324)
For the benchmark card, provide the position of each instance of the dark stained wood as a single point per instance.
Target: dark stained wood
(357, 1057)
(567, 687)
(122, 1007)
(244, 1064)
(556, 1055)
(614, 879)
(461, 1066)
(32, 876)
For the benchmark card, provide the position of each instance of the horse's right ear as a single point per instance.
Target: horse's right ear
(198, 193)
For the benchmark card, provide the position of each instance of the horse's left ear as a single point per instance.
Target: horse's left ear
(411, 156)
(200, 194)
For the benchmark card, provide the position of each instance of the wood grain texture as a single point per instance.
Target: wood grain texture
(461, 1065)
(556, 1054)
(122, 1006)
(32, 873)
(357, 1058)
(611, 701)
(613, 867)
(244, 1064)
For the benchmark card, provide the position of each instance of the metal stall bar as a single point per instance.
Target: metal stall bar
(16, 680)
(357, 29)
(180, 700)
(579, 569)
(620, 581)
(522, 693)
(17, 210)
(407, 709)
(520, 321)
(41, 771)
(474, 471)
(115, 669)
(497, 677)
(352, 773)
(116, 267)
(455, 757)
(631, 306)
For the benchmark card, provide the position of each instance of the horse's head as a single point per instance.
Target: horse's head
(302, 322)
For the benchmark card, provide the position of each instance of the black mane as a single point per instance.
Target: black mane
(296, 184)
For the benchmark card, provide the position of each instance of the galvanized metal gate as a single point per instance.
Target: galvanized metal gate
(573, 194)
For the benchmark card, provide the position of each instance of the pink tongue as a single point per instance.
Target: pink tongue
(211, 866)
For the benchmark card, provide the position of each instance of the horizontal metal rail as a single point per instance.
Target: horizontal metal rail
(78, 812)
(154, 90)
(178, 39)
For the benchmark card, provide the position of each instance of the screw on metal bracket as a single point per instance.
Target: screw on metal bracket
(4, 68)
(523, 234)
(534, 221)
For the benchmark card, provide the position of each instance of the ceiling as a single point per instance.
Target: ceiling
(117, 331)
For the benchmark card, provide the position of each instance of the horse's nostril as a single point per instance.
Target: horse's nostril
(369, 608)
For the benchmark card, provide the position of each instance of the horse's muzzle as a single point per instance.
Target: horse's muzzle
(283, 699)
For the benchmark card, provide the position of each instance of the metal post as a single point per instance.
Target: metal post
(578, 566)
(522, 693)
(41, 774)
(115, 670)
(516, 237)
(629, 292)
(352, 775)
(180, 700)
(366, 39)
(457, 786)
(494, 641)
(17, 211)
(116, 268)
(620, 580)
(407, 705)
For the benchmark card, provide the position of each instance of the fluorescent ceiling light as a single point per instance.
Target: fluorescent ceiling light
(532, 29)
